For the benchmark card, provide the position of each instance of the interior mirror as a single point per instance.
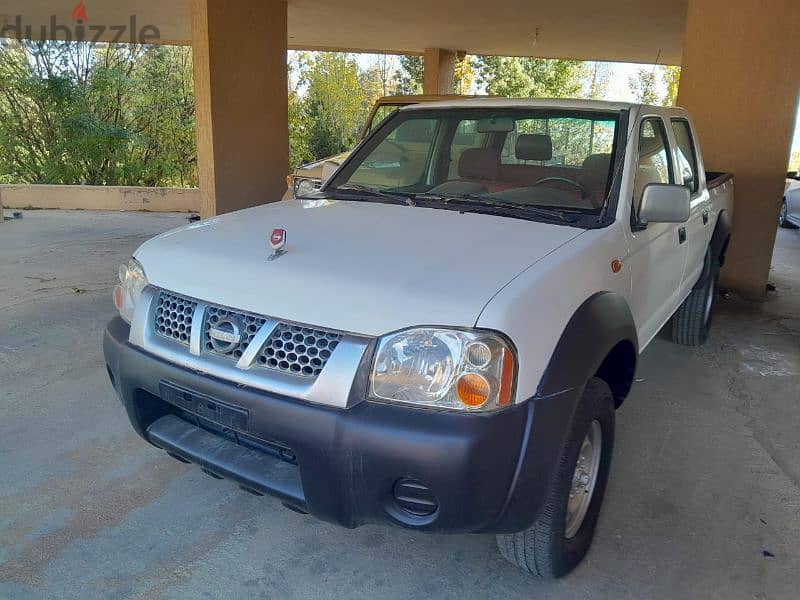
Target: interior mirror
(495, 125)
(664, 203)
(328, 168)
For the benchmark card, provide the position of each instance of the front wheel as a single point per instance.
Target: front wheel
(560, 538)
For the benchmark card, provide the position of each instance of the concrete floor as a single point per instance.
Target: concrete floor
(704, 498)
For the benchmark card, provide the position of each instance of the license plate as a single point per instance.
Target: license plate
(217, 411)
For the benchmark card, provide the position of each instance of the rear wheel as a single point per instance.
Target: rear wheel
(561, 536)
(783, 216)
(692, 321)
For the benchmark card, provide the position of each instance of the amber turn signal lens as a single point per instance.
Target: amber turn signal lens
(507, 381)
(119, 299)
(473, 389)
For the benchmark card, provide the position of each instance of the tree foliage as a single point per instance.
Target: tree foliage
(672, 80)
(336, 102)
(97, 114)
(643, 86)
(656, 85)
(410, 75)
(530, 77)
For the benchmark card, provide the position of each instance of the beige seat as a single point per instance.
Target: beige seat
(594, 177)
(478, 170)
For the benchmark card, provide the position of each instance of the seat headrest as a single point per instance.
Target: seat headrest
(595, 171)
(534, 146)
(479, 163)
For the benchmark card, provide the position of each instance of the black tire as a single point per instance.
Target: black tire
(543, 549)
(783, 219)
(692, 321)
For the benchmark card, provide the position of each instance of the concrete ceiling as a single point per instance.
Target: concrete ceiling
(618, 30)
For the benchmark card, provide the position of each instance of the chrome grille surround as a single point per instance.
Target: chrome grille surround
(173, 317)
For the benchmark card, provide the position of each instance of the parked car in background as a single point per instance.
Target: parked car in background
(309, 177)
(790, 204)
(440, 337)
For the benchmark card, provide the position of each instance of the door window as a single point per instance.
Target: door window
(687, 159)
(654, 164)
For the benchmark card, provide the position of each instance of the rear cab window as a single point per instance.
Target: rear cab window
(686, 154)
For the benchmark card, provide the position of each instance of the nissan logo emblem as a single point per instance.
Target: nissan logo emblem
(225, 335)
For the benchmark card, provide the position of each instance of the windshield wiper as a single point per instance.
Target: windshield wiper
(364, 190)
(476, 202)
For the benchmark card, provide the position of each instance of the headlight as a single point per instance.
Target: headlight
(305, 186)
(132, 281)
(444, 368)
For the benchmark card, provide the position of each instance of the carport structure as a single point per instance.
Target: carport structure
(740, 76)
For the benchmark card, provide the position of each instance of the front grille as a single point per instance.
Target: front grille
(173, 318)
(294, 349)
(298, 350)
(250, 326)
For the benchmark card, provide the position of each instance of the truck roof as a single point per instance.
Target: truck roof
(490, 101)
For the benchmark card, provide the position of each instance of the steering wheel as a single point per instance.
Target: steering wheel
(584, 192)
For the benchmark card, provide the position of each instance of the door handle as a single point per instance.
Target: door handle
(705, 217)
(681, 235)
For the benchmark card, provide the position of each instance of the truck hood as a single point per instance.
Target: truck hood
(361, 267)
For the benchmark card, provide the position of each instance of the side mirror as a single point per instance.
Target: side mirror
(664, 203)
(329, 167)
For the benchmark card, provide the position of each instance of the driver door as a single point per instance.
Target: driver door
(658, 250)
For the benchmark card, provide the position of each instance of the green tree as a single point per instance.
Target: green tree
(410, 75)
(597, 85)
(335, 105)
(530, 77)
(643, 86)
(98, 114)
(672, 80)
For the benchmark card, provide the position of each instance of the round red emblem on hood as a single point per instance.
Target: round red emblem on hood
(278, 238)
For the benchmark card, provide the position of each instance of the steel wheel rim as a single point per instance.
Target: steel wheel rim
(584, 478)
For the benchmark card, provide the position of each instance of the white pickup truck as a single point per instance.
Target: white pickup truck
(440, 336)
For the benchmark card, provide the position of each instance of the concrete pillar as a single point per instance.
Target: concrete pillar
(740, 80)
(239, 53)
(439, 69)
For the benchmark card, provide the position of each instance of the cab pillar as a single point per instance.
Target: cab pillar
(740, 81)
(240, 80)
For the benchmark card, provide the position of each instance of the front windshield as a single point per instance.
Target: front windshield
(531, 158)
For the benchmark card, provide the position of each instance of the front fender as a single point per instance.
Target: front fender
(599, 339)
(601, 323)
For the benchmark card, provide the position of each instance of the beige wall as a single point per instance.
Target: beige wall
(100, 198)
(740, 80)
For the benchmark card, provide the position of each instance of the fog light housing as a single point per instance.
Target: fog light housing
(413, 497)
